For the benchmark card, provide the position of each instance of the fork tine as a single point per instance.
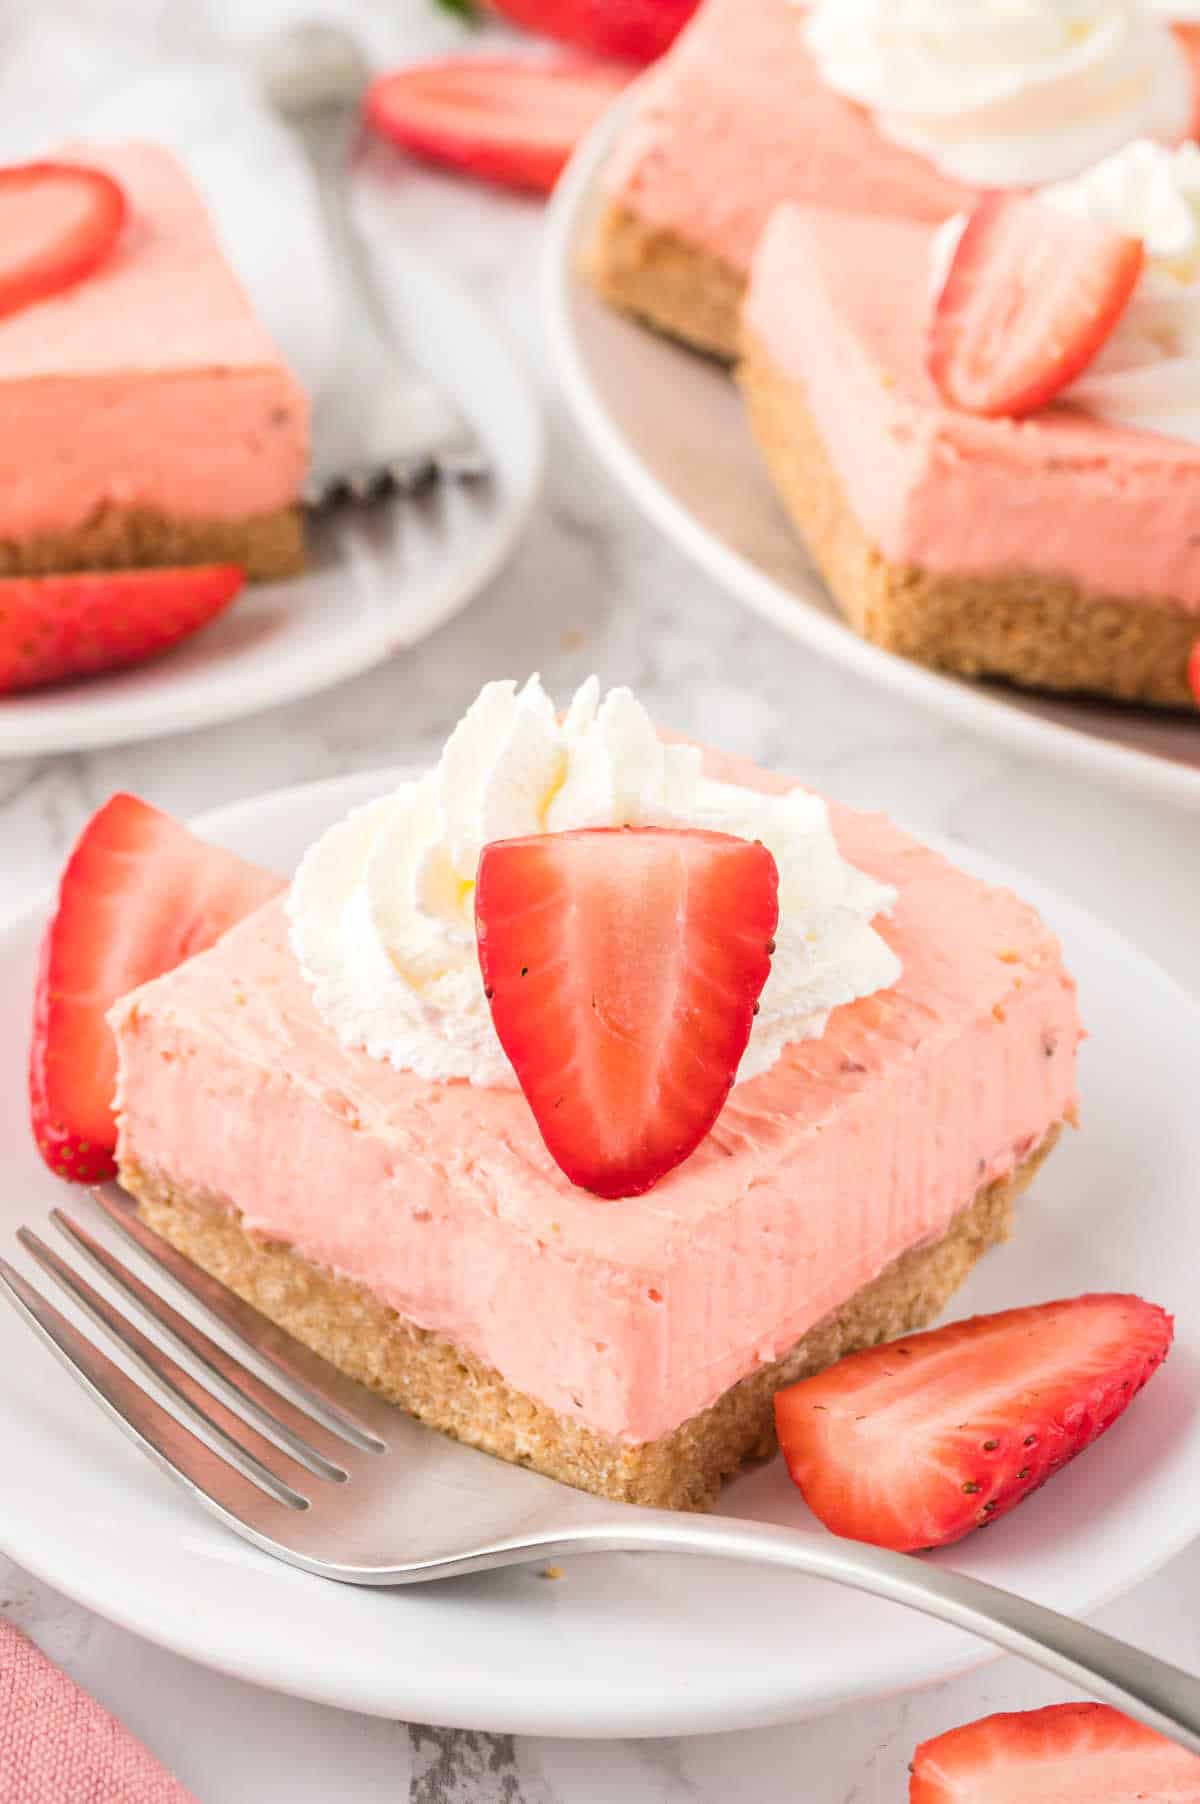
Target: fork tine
(248, 1449)
(365, 481)
(167, 1442)
(270, 1409)
(413, 474)
(347, 1408)
(465, 462)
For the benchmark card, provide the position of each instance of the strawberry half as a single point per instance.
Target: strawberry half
(1193, 671)
(624, 967)
(58, 221)
(635, 31)
(138, 896)
(54, 628)
(502, 120)
(1066, 1754)
(1030, 297)
(915, 1443)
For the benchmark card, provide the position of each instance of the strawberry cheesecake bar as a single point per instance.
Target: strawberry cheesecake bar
(583, 1092)
(994, 456)
(882, 107)
(145, 416)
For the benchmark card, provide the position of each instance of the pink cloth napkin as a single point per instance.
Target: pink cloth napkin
(59, 1746)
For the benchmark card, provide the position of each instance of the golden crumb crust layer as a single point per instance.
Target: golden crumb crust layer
(267, 546)
(678, 287)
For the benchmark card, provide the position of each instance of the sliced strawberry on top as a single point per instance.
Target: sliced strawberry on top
(1066, 1754)
(624, 967)
(503, 120)
(56, 628)
(58, 222)
(1193, 671)
(1030, 298)
(139, 895)
(635, 31)
(915, 1443)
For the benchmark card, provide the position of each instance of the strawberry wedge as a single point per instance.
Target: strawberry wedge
(1066, 1754)
(138, 896)
(623, 967)
(58, 222)
(916, 1443)
(54, 629)
(504, 121)
(636, 31)
(1030, 298)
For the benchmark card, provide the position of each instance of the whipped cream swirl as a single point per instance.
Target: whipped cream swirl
(1147, 373)
(1008, 93)
(382, 907)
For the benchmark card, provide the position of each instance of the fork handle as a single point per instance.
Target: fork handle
(1162, 1696)
(368, 342)
(328, 141)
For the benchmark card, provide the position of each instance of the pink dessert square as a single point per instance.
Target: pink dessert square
(145, 414)
(624, 1321)
(1058, 550)
(734, 121)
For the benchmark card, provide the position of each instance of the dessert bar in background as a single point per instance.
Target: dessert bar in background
(146, 418)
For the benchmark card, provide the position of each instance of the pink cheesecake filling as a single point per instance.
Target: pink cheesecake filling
(841, 306)
(737, 119)
(627, 1316)
(151, 384)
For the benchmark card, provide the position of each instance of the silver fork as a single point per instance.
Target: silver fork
(379, 419)
(311, 1467)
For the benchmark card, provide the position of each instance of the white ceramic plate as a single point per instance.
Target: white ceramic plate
(669, 426)
(640, 1645)
(378, 581)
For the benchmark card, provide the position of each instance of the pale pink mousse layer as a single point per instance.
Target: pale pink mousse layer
(149, 384)
(627, 1316)
(842, 306)
(737, 119)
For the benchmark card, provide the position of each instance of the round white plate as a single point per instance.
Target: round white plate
(670, 427)
(641, 1645)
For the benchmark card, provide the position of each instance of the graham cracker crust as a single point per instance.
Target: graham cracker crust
(1033, 628)
(671, 284)
(448, 1388)
(267, 546)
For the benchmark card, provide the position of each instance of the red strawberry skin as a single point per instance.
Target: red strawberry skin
(57, 628)
(1194, 672)
(139, 895)
(499, 119)
(916, 1443)
(1030, 298)
(635, 31)
(1066, 1754)
(58, 222)
(623, 967)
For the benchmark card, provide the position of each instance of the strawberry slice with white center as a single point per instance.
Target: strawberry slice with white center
(1066, 1754)
(58, 222)
(138, 896)
(1031, 296)
(914, 1444)
(505, 121)
(55, 629)
(623, 967)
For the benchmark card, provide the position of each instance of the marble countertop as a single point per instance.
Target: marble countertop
(591, 588)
